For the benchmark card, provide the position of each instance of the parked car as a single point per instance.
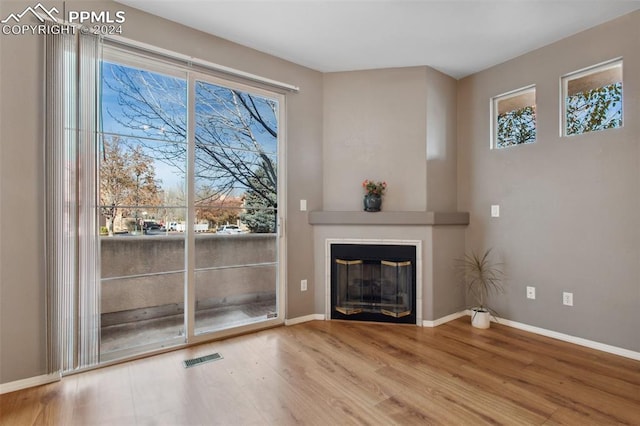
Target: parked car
(229, 229)
(150, 224)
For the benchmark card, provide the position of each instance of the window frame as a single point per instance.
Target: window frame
(192, 74)
(583, 72)
(493, 139)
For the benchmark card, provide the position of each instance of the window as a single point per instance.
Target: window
(514, 118)
(592, 99)
(142, 144)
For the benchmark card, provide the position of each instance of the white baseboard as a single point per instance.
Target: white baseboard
(29, 383)
(572, 339)
(306, 318)
(544, 332)
(443, 320)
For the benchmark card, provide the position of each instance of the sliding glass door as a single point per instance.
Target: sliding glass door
(188, 195)
(142, 169)
(235, 187)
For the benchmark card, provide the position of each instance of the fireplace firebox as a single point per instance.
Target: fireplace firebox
(372, 282)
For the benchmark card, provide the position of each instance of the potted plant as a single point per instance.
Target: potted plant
(482, 277)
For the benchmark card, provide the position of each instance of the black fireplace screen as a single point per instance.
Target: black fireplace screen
(380, 287)
(373, 288)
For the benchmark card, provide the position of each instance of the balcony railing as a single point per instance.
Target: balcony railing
(143, 280)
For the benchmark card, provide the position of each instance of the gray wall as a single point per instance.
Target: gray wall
(441, 97)
(395, 125)
(569, 206)
(22, 280)
(22, 297)
(374, 128)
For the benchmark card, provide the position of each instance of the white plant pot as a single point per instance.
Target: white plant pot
(480, 319)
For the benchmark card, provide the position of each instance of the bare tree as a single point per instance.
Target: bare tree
(127, 180)
(232, 129)
(218, 210)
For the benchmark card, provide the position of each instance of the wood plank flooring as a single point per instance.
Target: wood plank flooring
(343, 373)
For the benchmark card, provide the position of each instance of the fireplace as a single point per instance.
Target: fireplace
(373, 282)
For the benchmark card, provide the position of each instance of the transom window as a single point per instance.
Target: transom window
(592, 99)
(514, 118)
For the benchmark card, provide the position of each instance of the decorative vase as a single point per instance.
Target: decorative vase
(372, 203)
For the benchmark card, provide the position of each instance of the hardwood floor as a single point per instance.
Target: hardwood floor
(337, 373)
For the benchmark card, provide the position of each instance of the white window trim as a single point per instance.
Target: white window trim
(195, 63)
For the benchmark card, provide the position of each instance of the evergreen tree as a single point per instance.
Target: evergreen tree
(260, 209)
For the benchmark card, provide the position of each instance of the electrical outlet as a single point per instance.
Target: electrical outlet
(567, 299)
(531, 292)
(303, 285)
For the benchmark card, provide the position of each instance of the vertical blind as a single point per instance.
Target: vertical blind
(72, 251)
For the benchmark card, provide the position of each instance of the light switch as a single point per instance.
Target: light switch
(303, 205)
(495, 210)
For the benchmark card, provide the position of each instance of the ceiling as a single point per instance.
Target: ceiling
(456, 37)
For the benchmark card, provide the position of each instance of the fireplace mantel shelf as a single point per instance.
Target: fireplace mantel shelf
(414, 218)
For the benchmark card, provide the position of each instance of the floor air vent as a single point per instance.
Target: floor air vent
(201, 360)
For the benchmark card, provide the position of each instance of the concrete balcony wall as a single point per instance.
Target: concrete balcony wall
(143, 277)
